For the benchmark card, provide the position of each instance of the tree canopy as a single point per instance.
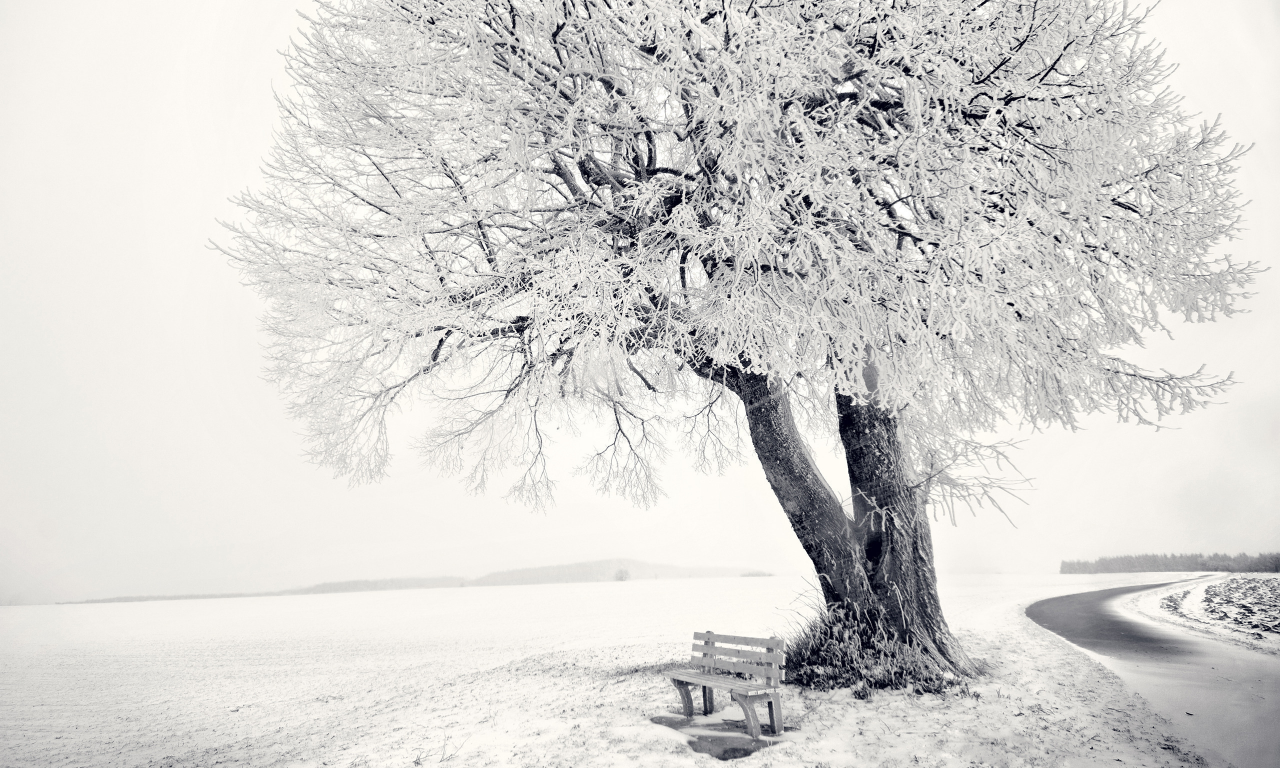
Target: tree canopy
(961, 209)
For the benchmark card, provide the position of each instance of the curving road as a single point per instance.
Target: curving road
(1223, 698)
(1086, 620)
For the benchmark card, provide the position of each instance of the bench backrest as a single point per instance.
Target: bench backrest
(760, 657)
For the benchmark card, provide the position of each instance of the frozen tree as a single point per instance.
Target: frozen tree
(900, 222)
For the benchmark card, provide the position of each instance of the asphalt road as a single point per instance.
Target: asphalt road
(1085, 620)
(1223, 699)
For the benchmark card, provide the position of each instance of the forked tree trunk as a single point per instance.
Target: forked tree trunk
(876, 566)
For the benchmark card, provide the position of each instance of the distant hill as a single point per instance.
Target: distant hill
(331, 587)
(598, 570)
(376, 585)
(1267, 562)
(152, 598)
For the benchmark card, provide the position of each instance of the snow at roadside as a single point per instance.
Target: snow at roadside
(548, 675)
(1241, 608)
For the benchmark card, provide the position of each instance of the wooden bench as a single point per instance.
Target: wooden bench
(750, 674)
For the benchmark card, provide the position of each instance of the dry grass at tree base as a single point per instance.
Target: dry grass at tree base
(837, 651)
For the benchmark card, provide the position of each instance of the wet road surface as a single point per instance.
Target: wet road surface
(1084, 620)
(1223, 698)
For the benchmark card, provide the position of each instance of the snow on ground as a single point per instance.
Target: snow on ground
(1241, 608)
(548, 675)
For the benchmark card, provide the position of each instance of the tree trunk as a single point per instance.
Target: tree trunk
(876, 568)
(891, 526)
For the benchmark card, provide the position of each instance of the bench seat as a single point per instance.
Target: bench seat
(723, 682)
(754, 675)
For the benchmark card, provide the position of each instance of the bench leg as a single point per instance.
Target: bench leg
(775, 713)
(748, 709)
(708, 700)
(686, 701)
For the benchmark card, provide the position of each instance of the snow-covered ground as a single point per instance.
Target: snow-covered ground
(1241, 608)
(549, 675)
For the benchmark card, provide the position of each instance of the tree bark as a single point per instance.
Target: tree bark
(891, 526)
(876, 565)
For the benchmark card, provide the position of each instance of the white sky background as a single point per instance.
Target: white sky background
(142, 453)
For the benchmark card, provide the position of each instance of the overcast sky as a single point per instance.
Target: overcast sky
(141, 452)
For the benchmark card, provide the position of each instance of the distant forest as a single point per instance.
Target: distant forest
(1267, 562)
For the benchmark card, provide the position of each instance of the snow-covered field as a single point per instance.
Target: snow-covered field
(1241, 608)
(550, 675)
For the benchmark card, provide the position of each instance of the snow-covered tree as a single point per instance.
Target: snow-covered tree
(900, 221)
